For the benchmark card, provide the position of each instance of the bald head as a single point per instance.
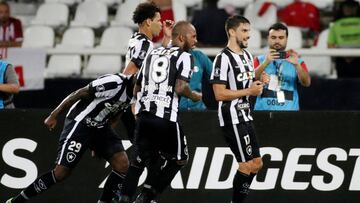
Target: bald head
(180, 28)
(184, 35)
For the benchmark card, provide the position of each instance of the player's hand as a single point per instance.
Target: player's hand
(196, 96)
(256, 88)
(167, 27)
(50, 122)
(264, 78)
(293, 57)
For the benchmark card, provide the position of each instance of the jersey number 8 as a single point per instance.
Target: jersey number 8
(159, 69)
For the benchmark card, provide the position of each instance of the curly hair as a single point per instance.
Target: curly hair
(144, 11)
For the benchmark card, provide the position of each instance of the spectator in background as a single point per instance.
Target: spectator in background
(282, 71)
(345, 33)
(209, 23)
(202, 68)
(11, 34)
(9, 85)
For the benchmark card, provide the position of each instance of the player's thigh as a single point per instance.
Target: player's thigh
(119, 162)
(106, 143)
(146, 137)
(173, 144)
(242, 142)
(74, 140)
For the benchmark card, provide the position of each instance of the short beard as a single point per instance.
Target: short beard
(241, 44)
(186, 46)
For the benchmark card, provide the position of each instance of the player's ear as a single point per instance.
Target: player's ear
(148, 22)
(232, 32)
(181, 38)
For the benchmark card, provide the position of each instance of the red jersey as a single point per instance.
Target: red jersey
(12, 31)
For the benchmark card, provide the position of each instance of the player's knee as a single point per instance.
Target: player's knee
(245, 167)
(61, 173)
(181, 162)
(257, 165)
(120, 162)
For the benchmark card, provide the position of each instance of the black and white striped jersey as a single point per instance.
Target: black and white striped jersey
(111, 94)
(138, 48)
(236, 72)
(157, 78)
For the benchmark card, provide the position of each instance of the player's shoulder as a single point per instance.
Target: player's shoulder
(223, 54)
(117, 77)
(141, 37)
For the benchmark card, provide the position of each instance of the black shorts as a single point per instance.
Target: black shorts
(156, 136)
(77, 137)
(242, 141)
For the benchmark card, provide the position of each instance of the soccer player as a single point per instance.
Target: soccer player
(233, 82)
(147, 16)
(87, 125)
(160, 143)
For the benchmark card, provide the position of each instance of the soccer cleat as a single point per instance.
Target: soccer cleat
(9, 200)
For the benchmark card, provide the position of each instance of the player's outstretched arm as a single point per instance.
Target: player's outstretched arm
(81, 93)
(182, 88)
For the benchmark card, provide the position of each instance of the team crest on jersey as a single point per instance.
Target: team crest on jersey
(249, 150)
(142, 54)
(100, 88)
(217, 72)
(42, 184)
(70, 156)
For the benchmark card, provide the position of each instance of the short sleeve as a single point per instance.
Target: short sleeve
(185, 66)
(220, 70)
(140, 52)
(11, 76)
(105, 86)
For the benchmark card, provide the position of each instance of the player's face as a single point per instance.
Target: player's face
(156, 24)
(190, 39)
(4, 13)
(277, 39)
(242, 35)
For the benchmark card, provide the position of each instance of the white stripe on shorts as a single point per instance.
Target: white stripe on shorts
(239, 143)
(179, 141)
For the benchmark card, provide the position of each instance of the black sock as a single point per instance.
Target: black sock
(251, 177)
(131, 181)
(241, 186)
(112, 184)
(40, 185)
(167, 173)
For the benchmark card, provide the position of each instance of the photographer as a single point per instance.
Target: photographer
(281, 71)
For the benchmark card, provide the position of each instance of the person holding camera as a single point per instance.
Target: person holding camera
(281, 71)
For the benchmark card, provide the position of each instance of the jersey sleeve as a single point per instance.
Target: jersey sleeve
(11, 76)
(105, 86)
(220, 70)
(140, 52)
(185, 66)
